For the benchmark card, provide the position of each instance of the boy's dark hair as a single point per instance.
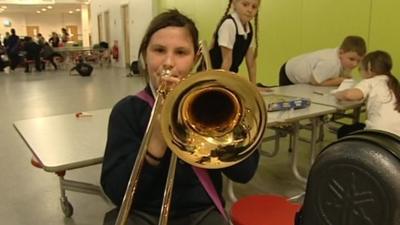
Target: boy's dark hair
(380, 63)
(354, 44)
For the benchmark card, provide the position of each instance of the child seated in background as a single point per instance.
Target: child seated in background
(32, 50)
(82, 68)
(4, 61)
(234, 38)
(49, 54)
(326, 67)
(381, 91)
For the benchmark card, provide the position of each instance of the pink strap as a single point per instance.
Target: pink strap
(205, 180)
(146, 97)
(202, 174)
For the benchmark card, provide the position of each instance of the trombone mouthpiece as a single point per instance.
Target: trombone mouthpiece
(166, 72)
(163, 89)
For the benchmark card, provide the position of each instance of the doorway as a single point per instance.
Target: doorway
(125, 28)
(73, 32)
(32, 31)
(107, 26)
(100, 26)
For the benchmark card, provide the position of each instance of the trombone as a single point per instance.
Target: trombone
(211, 119)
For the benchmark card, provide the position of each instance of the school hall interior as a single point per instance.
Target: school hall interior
(286, 28)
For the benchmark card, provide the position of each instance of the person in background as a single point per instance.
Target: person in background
(381, 92)
(54, 40)
(170, 42)
(32, 50)
(48, 53)
(64, 36)
(326, 67)
(4, 63)
(40, 39)
(234, 38)
(5, 39)
(12, 49)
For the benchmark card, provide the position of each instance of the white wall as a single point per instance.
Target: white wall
(47, 23)
(18, 22)
(140, 13)
(85, 22)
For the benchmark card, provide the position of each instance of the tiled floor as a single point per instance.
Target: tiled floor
(30, 195)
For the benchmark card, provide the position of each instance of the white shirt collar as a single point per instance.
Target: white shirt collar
(241, 30)
(153, 90)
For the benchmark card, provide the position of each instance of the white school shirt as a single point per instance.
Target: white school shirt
(380, 104)
(322, 65)
(227, 32)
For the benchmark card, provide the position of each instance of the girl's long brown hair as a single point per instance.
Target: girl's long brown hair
(380, 63)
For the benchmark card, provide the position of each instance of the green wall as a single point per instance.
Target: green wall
(291, 27)
(385, 29)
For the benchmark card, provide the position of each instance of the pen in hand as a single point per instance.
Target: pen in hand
(318, 93)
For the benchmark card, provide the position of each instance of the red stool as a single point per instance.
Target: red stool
(27, 63)
(264, 210)
(58, 59)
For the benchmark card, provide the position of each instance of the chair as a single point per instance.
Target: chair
(27, 63)
(60, 62)
(354, 181)
(264, 210)
(133, 69)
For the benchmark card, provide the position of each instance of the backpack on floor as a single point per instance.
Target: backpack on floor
(84, 69)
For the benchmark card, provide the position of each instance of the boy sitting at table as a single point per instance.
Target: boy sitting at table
(326, 67)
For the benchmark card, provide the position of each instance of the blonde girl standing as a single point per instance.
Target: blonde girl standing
(234, 38)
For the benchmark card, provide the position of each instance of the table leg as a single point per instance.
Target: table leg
(276, 138)
(76, 186)
(315, 133)
(356, 114)
(66, 206)
(231, 192)
(293, 146)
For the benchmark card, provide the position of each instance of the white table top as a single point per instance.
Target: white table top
(66, 142)
(289, 116)
(316, 94)
(72, 49)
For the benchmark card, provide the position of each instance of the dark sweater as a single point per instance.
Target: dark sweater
(32, 50)
(127, 124)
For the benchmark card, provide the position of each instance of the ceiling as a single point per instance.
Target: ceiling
(56, 9)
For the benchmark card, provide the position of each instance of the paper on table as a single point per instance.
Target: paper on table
(346, 84)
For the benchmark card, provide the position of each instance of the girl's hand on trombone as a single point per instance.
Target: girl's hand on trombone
(170, 81)
(157, 146)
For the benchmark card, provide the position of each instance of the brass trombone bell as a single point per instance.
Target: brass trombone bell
(213, 119)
